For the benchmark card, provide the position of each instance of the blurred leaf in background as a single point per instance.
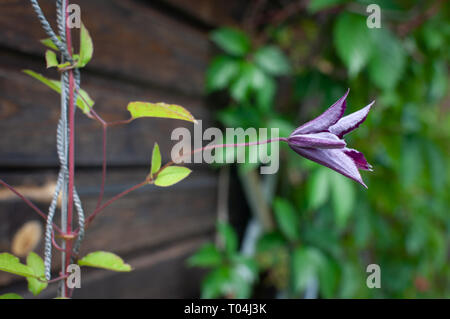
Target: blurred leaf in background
(282, 72)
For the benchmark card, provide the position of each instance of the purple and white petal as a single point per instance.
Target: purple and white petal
(358, 158)
(350, 122)
(317, 140)
(335, 159)
(326, 119)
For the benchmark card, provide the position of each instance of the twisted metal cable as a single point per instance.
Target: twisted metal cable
(48, 29)
(61, 138)
(60, 143)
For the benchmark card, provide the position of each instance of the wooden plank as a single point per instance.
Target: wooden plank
(29, 114)
(145, 219)
(131, 40)
(211, 12)
(162, 275)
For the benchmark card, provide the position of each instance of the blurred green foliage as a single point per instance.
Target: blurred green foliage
(328, 227)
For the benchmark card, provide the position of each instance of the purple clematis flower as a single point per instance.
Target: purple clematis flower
(321, 140)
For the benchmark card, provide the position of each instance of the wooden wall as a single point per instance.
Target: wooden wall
(144, 50)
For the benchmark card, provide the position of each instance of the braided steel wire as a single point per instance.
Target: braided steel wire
(62, 138)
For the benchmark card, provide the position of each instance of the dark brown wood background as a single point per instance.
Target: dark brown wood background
(144, 50)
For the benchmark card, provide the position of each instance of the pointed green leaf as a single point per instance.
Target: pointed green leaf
(318, 188)
(51, 59)
(306, 264)
(11, 264)
(272, 60)
(156, 159)
(229, 237)
(232, 41)
(171, 175)
(11, 296)
(36, 263)
(86, 47)
(53, 84)
(206, 256)
(104, 260)
(287, 219)
(352, 41)
(343, 198)
(388, 61)
(265, 94)
(63, 65)
(249, 77)
(217, 282)
(49, 43)
(85, 103)
(162, 110)
(221, 72)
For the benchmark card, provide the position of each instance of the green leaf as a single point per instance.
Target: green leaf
(85, 103)
(86, 47)
(240, 87)
(328, 277)
(232, 41)
(161, 110)
(317, 5)
(343, 198)
(265, 94)
(10, 263)
(272, 60)
(436, 166)
(388, 60)
(49, 43)
(306, 263)
(318, 188)
(206, 256)
(352, 41)
(233, 281)
(51, 59)
(243, 274)
(221, 72)
(229, 237)
(216, 283)
(36, 263)
(11, 296)
(287, 219)
(104, 260)
(411, 164)
(439, 81)
(172, 175)
(156, 159)
(249, 79)
(270, 241)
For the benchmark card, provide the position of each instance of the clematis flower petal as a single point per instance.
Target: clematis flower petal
(326, 119)
(317, 140)
(358, 158)
(336, 159)
(350, 122)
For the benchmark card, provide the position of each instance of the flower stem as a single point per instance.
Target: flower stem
(211, 147)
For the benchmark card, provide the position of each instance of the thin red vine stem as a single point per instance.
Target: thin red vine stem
(55, 244)
(71, 148)
(211, 147)
(29, 203)
(62, 277)
(112, 200)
